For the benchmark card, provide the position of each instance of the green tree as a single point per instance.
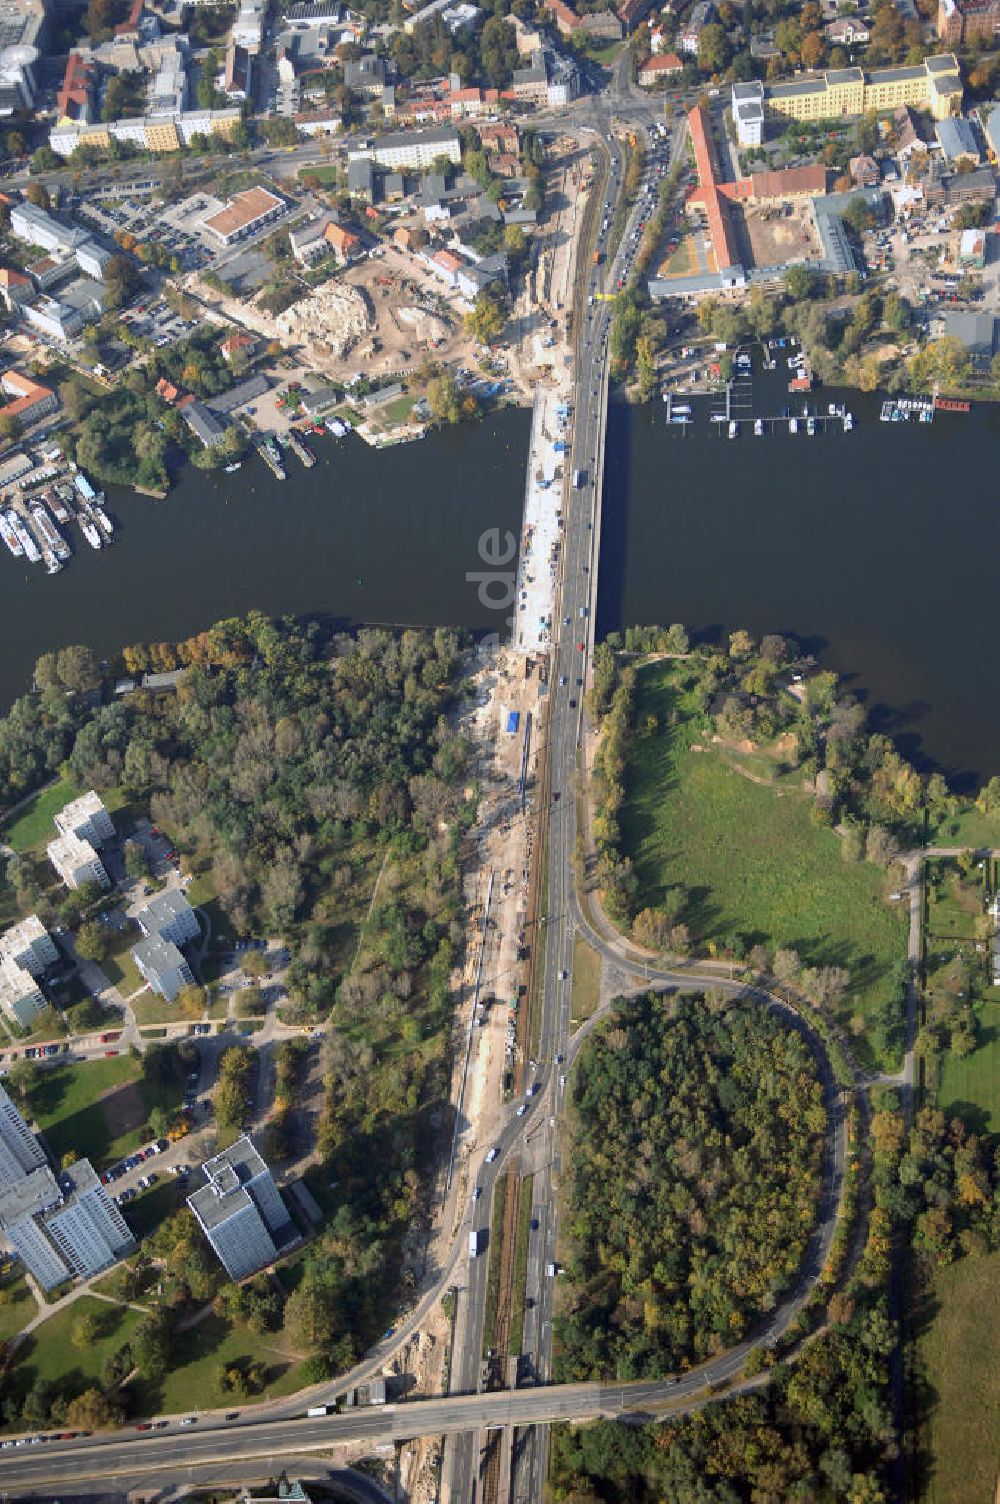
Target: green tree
(485, 321)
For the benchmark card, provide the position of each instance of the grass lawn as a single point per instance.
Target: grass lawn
(961, 1356)
(98, 1109)
(396, 412)
(198, 1358)
(18, 1306)
(50, 1353)
(586, 981)
(751, 861)
(150, 1009)
(33, 826)
(118, 967)
(966, 828)
(326, 176)
(970, 1088)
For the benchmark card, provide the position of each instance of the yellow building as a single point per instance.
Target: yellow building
(934, 85)
(161, 135)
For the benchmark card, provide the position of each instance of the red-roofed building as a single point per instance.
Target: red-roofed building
(167, 390)
(499, 137)
(631, 12)
(659, 69)
(344, 243)
(32, 401)
(15, 288)
(503, 164)
(130, 26)
(75, 100)
(237, 343)
(604, 24)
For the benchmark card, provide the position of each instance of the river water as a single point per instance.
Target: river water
(364, 536)
(877, 549)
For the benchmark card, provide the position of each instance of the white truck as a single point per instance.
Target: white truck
(476, 1240)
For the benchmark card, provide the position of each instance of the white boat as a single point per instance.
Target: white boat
(27, 542)
(11, 539)
(734, 428)
(48, 534)
(810, 426)
(103, 522)
(89, 531)
(758, 427)
(848, 422)
(793, 425)
(231, 469)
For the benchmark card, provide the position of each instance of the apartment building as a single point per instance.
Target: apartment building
(240, 1210)
(30, 400)
(20, 1151)
(163, 966)
(170, 916)
(967, 21)
(77, 862)
(87, 819)
(29, 945)
(418, 149)
(934, 85)
(70, 1228)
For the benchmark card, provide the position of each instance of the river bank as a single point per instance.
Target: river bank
(363, 536)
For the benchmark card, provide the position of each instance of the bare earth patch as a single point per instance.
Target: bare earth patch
(123, 1110)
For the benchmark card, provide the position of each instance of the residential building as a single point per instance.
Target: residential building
(361, 178)
(498, 136)
(306, 15)
(368, 75)
(531, 84)
(75, 99)
(164, 132)
(238, 74)
(847, 31)
(308, 241)
(419, 149)
(237, 344)
(344, 243)
(169, 915)
(958, 141)
(702, 15)
(248, 28)
(29, 946)
(864, 171)
(748, 113)
(20, 1149)
(202, 422)
(967, 21)
(62, 1230)
(991, 127)
(77, 862)
(32, 401)
(631, 12)
(21, 998)
(161, 964)
(934, 85)
(240, 1210)
(87, 819)
(15, 288)
(660, 69)
(972, 249)
(245, 214)
(600, 25)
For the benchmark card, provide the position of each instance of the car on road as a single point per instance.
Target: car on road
(477, 1192)
(522, 1109)
(233, 1415)
(190, 1420)
(562, 1080)
(492, 1154)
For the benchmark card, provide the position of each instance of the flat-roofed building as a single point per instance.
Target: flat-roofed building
(63, 1230)
(934, 85)
(411, 148)
(87, 819)
(748, 113)
(240, 1210)
(29, 945)
(19, 1147)
(21, 998)
(77, 862)
(162, 965)
(169, 915)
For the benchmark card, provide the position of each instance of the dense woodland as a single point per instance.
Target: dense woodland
(290, 769)
(697, 1165)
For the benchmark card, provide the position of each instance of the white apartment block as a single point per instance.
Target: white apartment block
(29, 946)
(18, 1144)
(21, 998)
(240, 1209)
(411, 148)
(87, 819)
(62, 1231)
(77, 862)
(748, 113)
(161, 964)
(170, 916)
